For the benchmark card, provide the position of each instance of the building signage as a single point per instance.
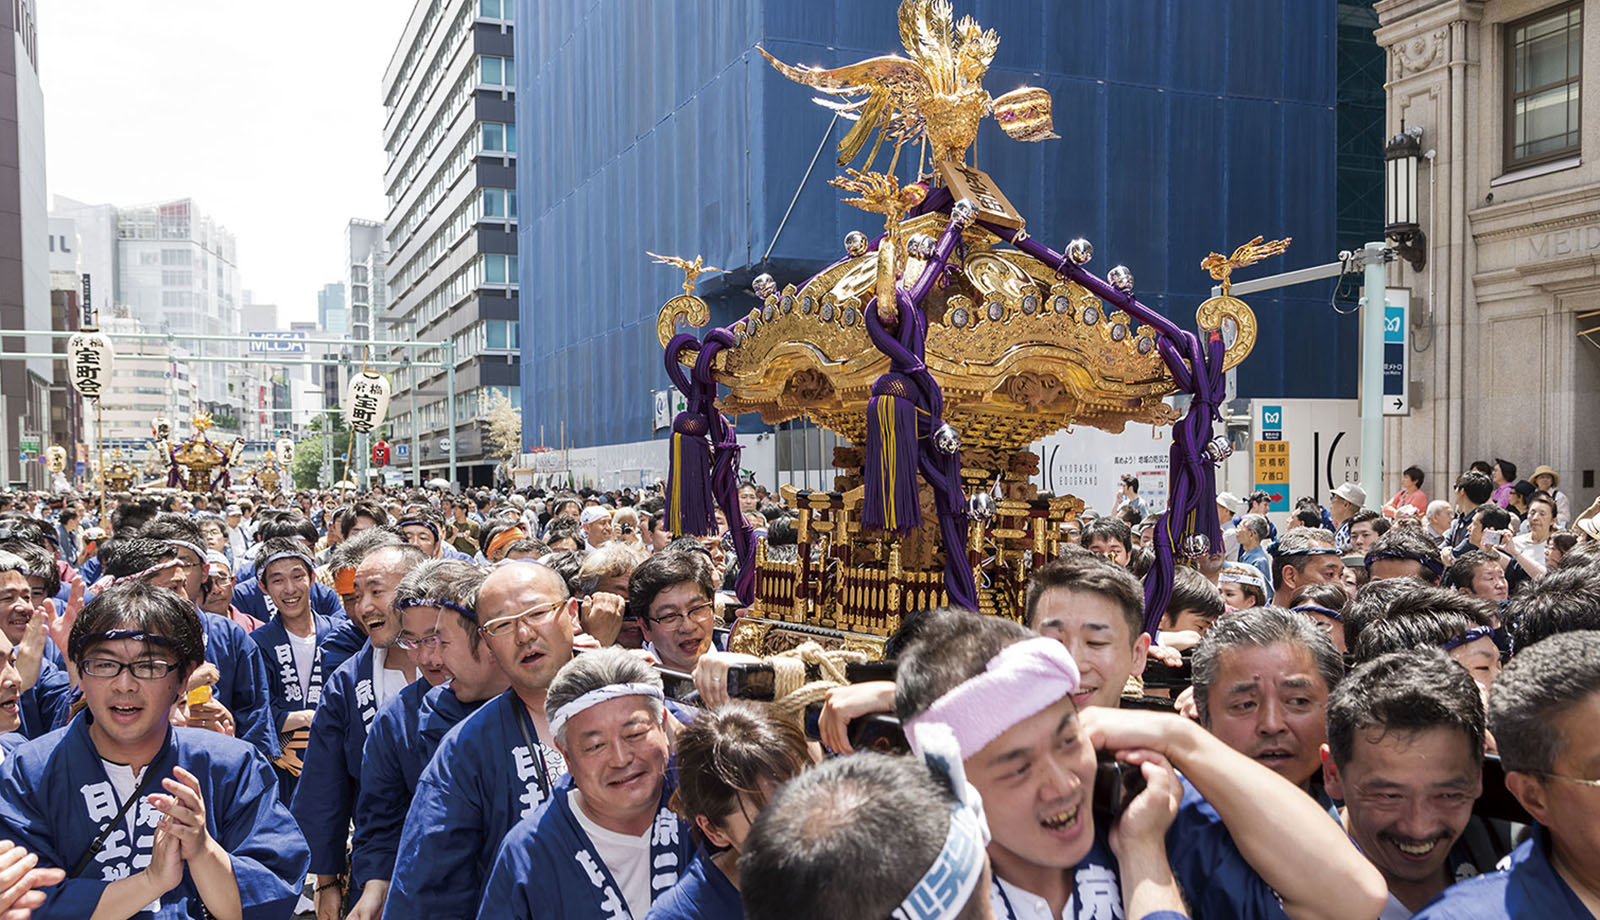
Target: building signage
(277, 343)
(88, 304)
(1396, 329)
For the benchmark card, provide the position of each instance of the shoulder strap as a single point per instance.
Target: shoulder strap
(100, 841)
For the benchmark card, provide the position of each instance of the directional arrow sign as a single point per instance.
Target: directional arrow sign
(1396, 348)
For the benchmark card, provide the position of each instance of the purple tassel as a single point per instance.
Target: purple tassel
(689, 478)
(891, 502)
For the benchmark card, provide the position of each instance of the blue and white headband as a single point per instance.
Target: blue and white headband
(1470, 636)
(560, 718)
(944, 890)
(441, 602)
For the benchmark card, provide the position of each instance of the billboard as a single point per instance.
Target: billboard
(277, 343)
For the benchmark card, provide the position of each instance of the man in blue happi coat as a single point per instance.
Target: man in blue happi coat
(147, 819)
(291, 643)
(46, 691)
(1545, 717)
(251, 596)
(325, 798)
(607, 843)
(164, 554)
(430, 599)
(498, 765)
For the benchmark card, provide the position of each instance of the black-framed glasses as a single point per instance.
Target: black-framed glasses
(673, 619)
(536, 615)
(430, 642)
(143, 669)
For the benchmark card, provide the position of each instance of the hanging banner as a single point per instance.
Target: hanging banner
(90, 360)
(367, 402)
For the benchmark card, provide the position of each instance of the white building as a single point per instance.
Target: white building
(1510, 205)
(144, 384)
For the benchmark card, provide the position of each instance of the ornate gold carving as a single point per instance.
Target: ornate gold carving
(936, 91)
(1034, 390)
(808, 385)
(685, 306)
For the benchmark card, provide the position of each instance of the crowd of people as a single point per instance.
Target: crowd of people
(411, 704)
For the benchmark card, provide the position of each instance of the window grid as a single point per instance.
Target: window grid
(1543, 77)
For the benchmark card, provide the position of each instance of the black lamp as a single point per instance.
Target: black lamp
(1401, 155)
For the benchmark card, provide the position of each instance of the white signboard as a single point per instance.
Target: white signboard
(1089, 464)
(277, 343)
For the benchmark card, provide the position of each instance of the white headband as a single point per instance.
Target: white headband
(944, 890)
(597, 696)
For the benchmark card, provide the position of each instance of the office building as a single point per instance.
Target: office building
(450, 140)
(24, 251)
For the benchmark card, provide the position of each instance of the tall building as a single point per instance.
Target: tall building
(146, 384)
(363, 285)
(24, 246)
(1504, 359)
(330, 310)
(700, 147)
(450, 137)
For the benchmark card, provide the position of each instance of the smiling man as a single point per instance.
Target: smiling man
(670, 594)
(44, 702)
(291, 643)
(429, 598)
(145, 816)
(609, 844)
(324, 801)
(1303, 556)
(1261, 682)
(1240, 843)
(1405, 749)
(1095, 608)
(498, 765)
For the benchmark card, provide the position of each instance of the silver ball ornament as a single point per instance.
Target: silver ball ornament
(1196, 545)
(981, 507)
(1080, 251)
(946, 439)
(764, 286)
(920, 245)
(963, 213)
(856, 243)
(1217, 449)
(1121, 279)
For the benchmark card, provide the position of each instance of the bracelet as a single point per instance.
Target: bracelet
(338, 882)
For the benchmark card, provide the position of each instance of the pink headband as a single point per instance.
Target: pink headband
(1017, 683)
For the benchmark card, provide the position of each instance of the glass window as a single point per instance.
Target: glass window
(494, 136)
(489, 70)
(496, 330)
(514, 334)
(489, 9)
(494, 268)
(1544, 58)
(494, 202)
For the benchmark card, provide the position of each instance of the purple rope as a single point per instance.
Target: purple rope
(1197, 370)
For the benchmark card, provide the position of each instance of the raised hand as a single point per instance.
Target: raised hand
(183, 813)
(20, 881)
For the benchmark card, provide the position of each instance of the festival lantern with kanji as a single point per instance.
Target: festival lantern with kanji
(285, 451)
(367, 402)
(380, 454)
(90, 359)
(56, 458)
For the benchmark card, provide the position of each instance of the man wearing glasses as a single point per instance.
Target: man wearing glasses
(670, 594)
(144, 816)
(396, 751)
(496, 767)
(1543, 714)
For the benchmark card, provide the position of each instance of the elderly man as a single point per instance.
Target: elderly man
(1303, 556)
(1261, 682)
(1346, 500)
(325, 798)
(498, 765)
(609, 844)
(1030, 753)
(1542, 713)
(596, 523)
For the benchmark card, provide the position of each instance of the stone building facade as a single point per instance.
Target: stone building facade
(1510, 203)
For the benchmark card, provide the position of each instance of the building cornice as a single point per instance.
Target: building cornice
(1495, 222)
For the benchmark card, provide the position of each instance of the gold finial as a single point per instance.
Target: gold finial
(1250, 253)
(202, 421)
(880, 194)
(691, 270)
(935, 92)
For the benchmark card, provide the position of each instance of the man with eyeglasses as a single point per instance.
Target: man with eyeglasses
(142, 815)
(670, 594)
(1544, 714)
(498, 765)
(396, 750)
(291, 642)
(325, 798)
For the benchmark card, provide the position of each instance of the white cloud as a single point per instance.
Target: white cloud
(268, 114)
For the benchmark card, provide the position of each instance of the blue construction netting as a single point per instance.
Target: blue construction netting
(1185, 127)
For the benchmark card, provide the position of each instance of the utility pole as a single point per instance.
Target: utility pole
(1372, 301)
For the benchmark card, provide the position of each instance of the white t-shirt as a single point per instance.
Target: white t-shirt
(1532, 550)
(305, 651)
(125, 782)
(386, 682)
(627, 857)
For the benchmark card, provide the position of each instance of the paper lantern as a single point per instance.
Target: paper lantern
(56, 455)
(380, 454)
(285, 450)
(89, 362)
(160, 428)
(367, 402)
